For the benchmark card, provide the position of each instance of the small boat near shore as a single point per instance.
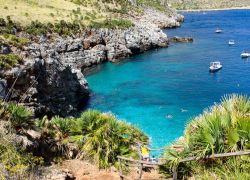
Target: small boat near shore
(231, 42)
(245, 54)
(215, 66)
(218, 30)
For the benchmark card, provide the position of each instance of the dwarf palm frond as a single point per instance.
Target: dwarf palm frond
(107, 137)
(223, 128)
(20, 116)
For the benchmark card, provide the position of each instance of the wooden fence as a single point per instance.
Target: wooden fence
(141, 164)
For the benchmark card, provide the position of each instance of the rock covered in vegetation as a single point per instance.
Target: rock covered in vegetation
(48, 86)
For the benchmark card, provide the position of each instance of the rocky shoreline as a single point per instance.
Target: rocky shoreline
(51, 82)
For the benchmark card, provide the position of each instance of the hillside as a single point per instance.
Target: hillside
(84, 11)
(207, 4)
(25, 11)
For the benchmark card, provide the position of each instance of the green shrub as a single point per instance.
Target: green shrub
(152, 3)
(112, 24)
(9, 26)
(20, 117)
(100, 137)
(80, 2)
(223, 128)
(61, 28)
(7, 61)
(2, 22)
(13, 40)
(14, 160)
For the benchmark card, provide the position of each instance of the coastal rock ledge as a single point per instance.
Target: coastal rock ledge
(51, 81)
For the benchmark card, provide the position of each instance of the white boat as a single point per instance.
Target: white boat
(231, 42)
(215, 66)
(218, 30)
(245, 54)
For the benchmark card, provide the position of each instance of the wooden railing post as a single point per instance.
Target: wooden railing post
(140, 171)
(174, 173)
(120, 169)
(141, 163)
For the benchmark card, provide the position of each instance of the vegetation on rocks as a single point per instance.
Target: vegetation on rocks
(157, 4)
(99, 137)
(9, 39)
(223, 128)
(7, 61)
(94, 136)
(112, 24)
(14, 161)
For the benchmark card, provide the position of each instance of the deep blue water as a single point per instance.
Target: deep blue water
(145, 88)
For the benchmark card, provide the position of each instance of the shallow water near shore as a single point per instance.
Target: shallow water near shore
(161, 90)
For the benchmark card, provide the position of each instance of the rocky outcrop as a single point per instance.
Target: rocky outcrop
(3, 87)
(55, 173)
(162, 19)
(181, 39)
(48, 86)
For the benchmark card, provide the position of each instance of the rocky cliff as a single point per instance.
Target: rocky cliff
(51, 80)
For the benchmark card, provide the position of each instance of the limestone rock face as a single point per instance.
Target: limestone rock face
(60, 89)
(48, 86)
(3, 87)
(162, 20)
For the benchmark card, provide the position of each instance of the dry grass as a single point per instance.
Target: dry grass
(25, 11)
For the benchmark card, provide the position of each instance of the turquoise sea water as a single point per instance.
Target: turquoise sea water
(145, 88)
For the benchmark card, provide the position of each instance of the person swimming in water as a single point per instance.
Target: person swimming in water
(169, 116)
(183, 110)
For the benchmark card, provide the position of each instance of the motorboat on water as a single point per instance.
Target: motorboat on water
(218, 30)
(215, 66)
(231, 42)
(245, 54)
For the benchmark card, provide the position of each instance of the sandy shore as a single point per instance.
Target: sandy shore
(219, 9)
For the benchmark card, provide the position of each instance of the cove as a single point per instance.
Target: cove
(175, 82)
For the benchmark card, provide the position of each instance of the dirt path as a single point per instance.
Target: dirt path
(83, 170)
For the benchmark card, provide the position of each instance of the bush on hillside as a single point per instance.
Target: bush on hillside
(7, 61)
(100, 137)
(9, 39)
(62, 28)
(15, 163)
(8, 26)
(19, 116)
(112, 24)
(223, 128)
